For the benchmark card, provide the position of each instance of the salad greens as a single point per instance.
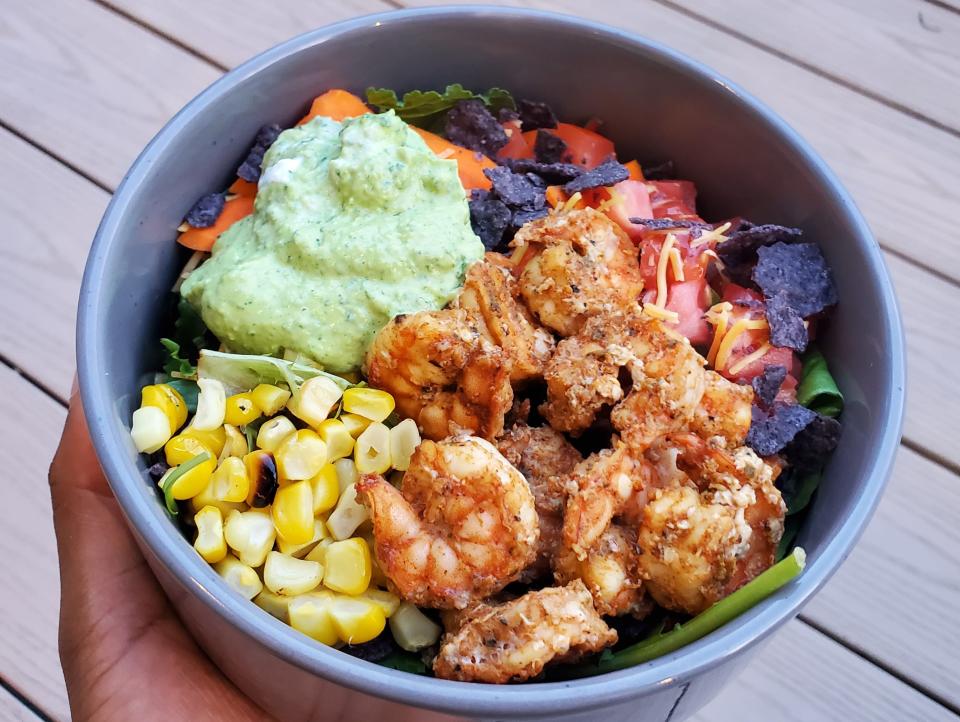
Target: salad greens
(817, 389)
(424, 108)
(405, 662)
(707, 621)
(176, 474)
(189, 336)
(245, 371)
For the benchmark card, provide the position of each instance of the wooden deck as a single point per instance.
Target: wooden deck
(873, 85)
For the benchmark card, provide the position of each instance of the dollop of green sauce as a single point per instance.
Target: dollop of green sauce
(354, 223)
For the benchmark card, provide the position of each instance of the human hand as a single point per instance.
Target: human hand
(125, 654)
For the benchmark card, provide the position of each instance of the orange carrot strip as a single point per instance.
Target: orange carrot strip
(635, 172)
(470, 164)
(337, 104)
(241, 187)
(202, 239)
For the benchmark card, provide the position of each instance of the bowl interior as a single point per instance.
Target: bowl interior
(654, 104)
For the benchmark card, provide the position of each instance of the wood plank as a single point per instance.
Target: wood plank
(802, 675)
(45, 259)
(902, 50)
(231, 31)
(896, 597)
(12, 710)
(895, 166)
(29, 612)
(91, 87)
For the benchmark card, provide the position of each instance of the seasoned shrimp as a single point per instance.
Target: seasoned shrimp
(544, 458)
(611, 571)
(714, 530)
(462, 526)
(653, 375)
(490, 292)
(514, 641)
(725, 411)
(576, 264)
(442, 372)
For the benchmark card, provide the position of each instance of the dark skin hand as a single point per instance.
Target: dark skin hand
(124, 652)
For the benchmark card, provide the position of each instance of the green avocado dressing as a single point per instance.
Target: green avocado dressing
(354, 223)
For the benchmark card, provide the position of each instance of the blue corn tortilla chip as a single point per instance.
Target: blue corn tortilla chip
(535, 114)
(664, 224)
(470, 124)
(771, 432)
(552, 173)
(660, 171)
(520, 191)
(786, 325)
(206, 210)
(739, 252)
(520, 217)
(549, 147)
(249, 170)
(799, 271)
(814, 443)
(607, 173)
(489, 218)
(505, 115)
(767, 385)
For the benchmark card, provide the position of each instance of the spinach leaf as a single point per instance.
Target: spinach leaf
(405, 662)
(423, 108)
(817, 389)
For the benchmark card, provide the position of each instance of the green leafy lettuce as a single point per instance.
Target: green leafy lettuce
(242, 372)
(425, 108)
(817, 389)
(189, 336)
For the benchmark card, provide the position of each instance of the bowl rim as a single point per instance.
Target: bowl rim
(190, 571)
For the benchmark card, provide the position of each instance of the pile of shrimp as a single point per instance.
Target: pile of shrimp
(675, 512)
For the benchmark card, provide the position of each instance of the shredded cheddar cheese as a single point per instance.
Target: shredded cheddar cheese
(661, 313)
(730, 338)
(662, 270)
(573, 201)
(749, 359)
(518, 253)
(719, 316)
(714, 235)
(676, 265)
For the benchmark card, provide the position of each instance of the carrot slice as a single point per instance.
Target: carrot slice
(241, 187)
(635, 172)
(202, 239)
(470, 164)
(517, 146)
(584, 147)
(337, 104)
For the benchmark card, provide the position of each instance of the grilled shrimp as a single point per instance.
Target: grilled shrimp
(462, 526)
(514, 641)
(651, 375)
(714, 529)
(442, 372)
(576, 264)
(611, 571)
(725, 411)
(490, 292)
(544, 458)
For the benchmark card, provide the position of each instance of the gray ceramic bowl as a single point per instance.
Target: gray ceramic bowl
(656, 104)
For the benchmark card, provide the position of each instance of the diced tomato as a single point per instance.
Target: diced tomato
(744, 302)
(788, 391)
(734, 294)
(688, 300)
(630, 199)
(584, 147)
(517, 146)
(673, 199)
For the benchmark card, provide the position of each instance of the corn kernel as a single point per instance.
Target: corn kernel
(239, 576)
(412, 629)
(319, 552)
(251, 534)
(262, 472)
(210, 543)
(235, 443)
(293, 512)
(326, 490)
(404, 440)
(387, 601)
(301, 550)
(274, 432)
(301, 455)
(276, 605)
(377, 577)
(372, 404)
(269, 399)
(348, 515)
(182, 448)
(372, 453)
(230, 481)
(337, 438)
(193, 481)
(169, 401)
(347, 566)
(241, 409)
(214, 439)
(207, 497)
(150, 429)
(346, 473)
(310, 614)
(355, 423)
(283, 574)
(315, 401)
(211, 405)
(357, 620)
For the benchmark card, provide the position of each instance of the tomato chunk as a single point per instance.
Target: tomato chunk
(688, 300)
(584, 147)
(630, 199)
(673, 199)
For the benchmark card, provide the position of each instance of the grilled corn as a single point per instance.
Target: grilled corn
(301, 455)
(315, 401)
(347, 566)
(276, 605)
(213, 439)
(241, 409)
(274, 432)
(337, 438)
(150, 429)
(372, 452)
(239, 576)
(235, 443)
(167, 399)
(230, 481)
(348, 515)
(357, 620)
(355, 423)
(388, 601)
(289, 576)
(412, 629)
(293, 512)
(346, 473)
(326, 490)
(211, 405)
(262, 472)
(270, 399)
(310, 614)
(251, 534)
(369, 403)
(404, 439)
(301, 550)
(210, 543)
